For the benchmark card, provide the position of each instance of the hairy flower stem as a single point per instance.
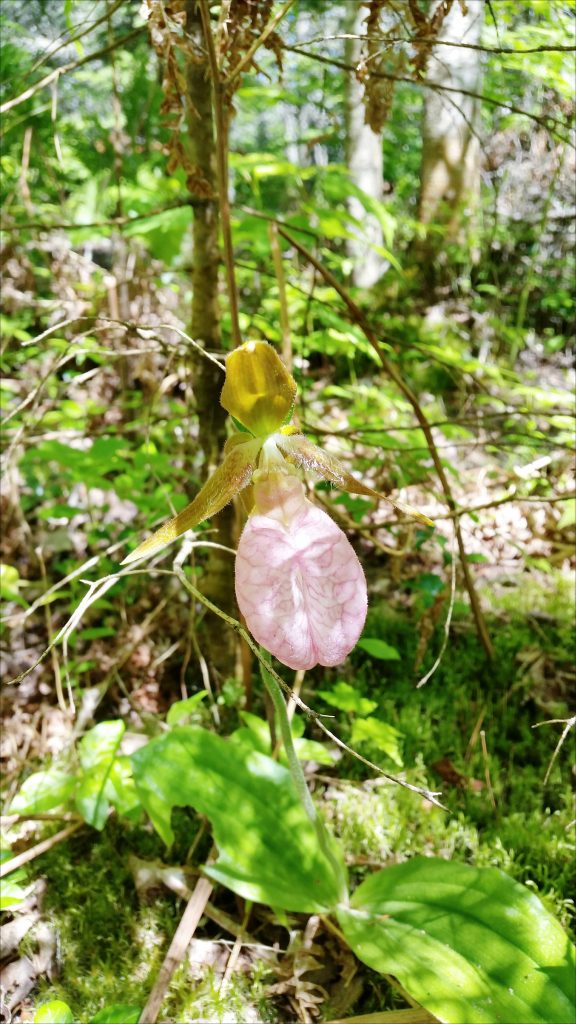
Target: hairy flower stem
(295, 768)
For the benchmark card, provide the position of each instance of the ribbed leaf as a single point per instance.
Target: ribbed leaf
(98, 750)
(43, 791)
(471, 945)
(234, 473)
(268, 847)
(300, 450)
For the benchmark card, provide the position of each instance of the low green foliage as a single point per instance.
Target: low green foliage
(468, 944)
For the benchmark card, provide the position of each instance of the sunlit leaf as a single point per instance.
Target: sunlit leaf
(268, 847)
(380, 735)
(54, 1012)
(98, 750)
(182, 709)
(378, 649)
(346, 698)
(469, 944)
(43, 791)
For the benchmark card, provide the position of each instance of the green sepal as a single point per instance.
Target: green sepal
(234, 474)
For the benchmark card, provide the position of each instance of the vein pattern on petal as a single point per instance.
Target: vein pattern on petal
(299, 583)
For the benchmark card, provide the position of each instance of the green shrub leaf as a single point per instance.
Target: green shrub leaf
(381, 735)
(43, 791)
(346, 698)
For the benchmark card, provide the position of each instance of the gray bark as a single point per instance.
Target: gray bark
(450, 173)
(366, 166)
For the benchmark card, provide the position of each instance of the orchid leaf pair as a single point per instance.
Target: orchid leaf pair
(299, 583)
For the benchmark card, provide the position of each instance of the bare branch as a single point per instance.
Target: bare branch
(390, 369)
(410, 41)
(73, 66)
(548, 122)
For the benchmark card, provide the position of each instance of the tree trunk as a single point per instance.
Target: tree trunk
(366, 166)
(218, 643)
(450, 172)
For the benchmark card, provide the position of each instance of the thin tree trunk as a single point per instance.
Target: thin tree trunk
(218, 584)
(366, 166)
(450, 173)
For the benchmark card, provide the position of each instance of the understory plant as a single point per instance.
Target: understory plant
(469, 944)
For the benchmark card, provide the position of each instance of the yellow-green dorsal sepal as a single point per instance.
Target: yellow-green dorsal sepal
(258, 392)
(241, 456)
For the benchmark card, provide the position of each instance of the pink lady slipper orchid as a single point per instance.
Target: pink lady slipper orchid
(299, 584)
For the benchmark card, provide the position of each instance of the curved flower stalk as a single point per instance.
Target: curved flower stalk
(299, 583)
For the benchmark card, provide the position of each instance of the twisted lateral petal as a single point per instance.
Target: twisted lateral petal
(302, 452)
(234, 473)
(299, 583)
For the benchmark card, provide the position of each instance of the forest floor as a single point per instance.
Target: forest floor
(100, 908)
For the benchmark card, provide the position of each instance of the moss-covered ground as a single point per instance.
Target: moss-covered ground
(472, 732)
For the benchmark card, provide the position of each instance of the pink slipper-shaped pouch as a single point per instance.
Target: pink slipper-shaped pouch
(299, 584)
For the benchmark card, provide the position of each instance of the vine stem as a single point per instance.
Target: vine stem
(275, 693)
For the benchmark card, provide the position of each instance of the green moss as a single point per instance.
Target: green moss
(518, 824)
(113, 946)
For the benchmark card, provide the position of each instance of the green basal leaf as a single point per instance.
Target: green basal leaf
(268, 847)
(43, 791)
(181, 709)
(120, 788)
(256, 736)
(10, 583)
(311, 750)
(469, 944)
(54, 1012)
(11, 894)
(378, 649)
